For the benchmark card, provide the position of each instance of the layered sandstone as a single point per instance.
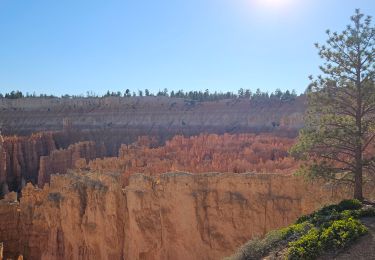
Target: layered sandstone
(88, 215)
(147, 114)
(59, 161)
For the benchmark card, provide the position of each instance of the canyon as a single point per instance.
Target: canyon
(149, 178)
(34, 127)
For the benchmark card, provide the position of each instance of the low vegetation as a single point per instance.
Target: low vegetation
(329, 229)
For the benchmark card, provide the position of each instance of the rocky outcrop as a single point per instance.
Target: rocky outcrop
(19, 159)
(237, 153)
(59, 161)
(9, 226)
(75, 217)
(88, 215)
(34, 158)
(3, 167)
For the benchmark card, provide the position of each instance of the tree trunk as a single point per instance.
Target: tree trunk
(358, 193)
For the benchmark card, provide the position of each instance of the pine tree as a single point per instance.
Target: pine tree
(339, 131)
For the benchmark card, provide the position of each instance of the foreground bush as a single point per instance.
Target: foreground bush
(256, 248)
(332, 227)
(338, 235)
(341, 233)
(306, 247)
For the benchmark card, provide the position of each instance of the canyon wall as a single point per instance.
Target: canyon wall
(36, 157)
(9, 226)
(3, 168)
(148, 114)
(114, 121)
(59, 161)
(19, 159)
(90, 215)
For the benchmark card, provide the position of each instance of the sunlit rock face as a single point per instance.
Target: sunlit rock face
(90, 215)
(60, 161)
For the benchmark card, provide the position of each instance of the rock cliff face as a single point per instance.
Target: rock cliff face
(36, 157)
(9, 225)
(3, 165)
(88, 215)
(19, 159)
(148, 114)
(59, 161)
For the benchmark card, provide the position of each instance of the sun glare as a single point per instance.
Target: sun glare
(275, 4)
(271, 10)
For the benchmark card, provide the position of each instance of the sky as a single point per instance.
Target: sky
(75, 46)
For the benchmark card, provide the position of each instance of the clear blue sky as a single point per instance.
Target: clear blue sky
(74, 46)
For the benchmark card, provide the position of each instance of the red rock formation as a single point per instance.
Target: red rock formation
(19, 159)
(3, 163)
(9, 227)
(59, 161)
(170, 216)
(204, 153)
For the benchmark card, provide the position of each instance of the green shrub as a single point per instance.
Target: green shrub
(341, 232)
(321, 215)
(366, 212)
(330, 228)
(336, 235)
(350, 205)
(349, 214)
(303, 218)
(306, 247)
(256, 248)
(296, 230)
(327, 214)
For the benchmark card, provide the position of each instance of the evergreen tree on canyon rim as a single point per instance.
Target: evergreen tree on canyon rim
(337, 142)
